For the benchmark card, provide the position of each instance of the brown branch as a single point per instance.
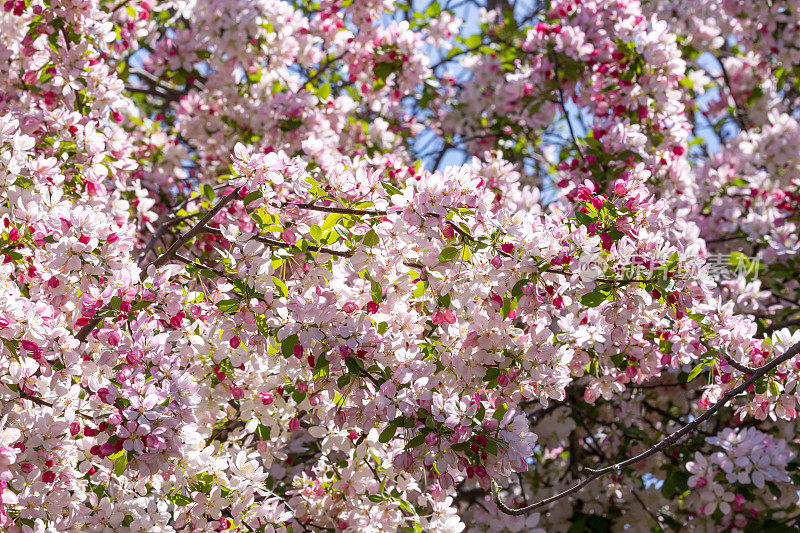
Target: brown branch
(165, 257)
(192, 233)
(740, 367)
(342, 210)
(788, 323)
(665, 443)
(325, 66)
(159, 232)
(647, 509)
(562, 102)
(39, 401)
(740, 114)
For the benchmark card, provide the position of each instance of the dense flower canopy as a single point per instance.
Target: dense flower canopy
(245, 287)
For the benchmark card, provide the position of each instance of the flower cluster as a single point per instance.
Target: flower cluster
(240, 294)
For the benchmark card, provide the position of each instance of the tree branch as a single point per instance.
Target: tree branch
(665, 443)
(165, 257)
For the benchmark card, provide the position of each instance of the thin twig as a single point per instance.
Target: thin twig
(665, 443)
(647, 510)
(165, 257)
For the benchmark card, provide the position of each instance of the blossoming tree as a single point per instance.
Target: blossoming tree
(244, 288)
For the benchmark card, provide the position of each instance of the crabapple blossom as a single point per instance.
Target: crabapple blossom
(246, 288)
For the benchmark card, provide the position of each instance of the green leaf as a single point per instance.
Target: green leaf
(316, 232)
(376, 292)
(324, 91)
(228, 306)
(352, 365)
(180, 499)
(594, 298)
(208, 191)
(204, 483)
(321, 367)
(115, 302)
(331, 221)
(416, 441)
(281, 286)
(492, 373)
(251, 197)
(343, 381)
(371, 238)
(11, 346)
(501, 411)
(448, 254)
(120, 462)
(420, 290)
(506, 306)
(141, 304)
(382, 70)
(473, 41)
(288, 344)
(773, 488)
(387, 434)
(695, 372)
(390, 189)
(264, 432)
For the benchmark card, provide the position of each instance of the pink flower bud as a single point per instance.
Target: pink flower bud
(446, 481)
(134, 357)
(606, 240)
(448, 232)
(105, 395)
(403, 461)
(30, 346)
(107, 449)
(266, 397)
(288, 236)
